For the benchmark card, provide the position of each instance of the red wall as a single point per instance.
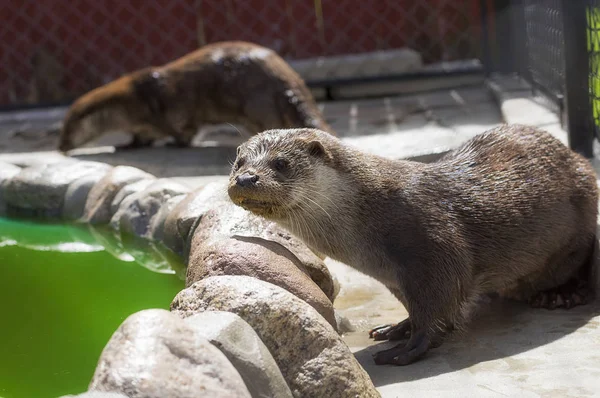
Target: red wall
(95, 41)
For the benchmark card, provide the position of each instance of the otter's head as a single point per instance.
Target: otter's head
(131, 101)
(279, 172)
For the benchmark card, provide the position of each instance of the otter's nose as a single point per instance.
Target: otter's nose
(246, 179)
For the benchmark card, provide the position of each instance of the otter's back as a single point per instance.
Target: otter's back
(519, 163)
(520, 195)
(252, 79)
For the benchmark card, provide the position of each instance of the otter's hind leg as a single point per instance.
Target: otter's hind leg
(571, 294)
(575, 291)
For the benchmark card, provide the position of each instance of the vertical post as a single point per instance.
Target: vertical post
(577, 95)
(519, 39)
(504, 40)
(509, 53)
(200, 36)
(485, 38)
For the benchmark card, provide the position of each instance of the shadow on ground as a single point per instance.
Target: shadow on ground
(501, 331)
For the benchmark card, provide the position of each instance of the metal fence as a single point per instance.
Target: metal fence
(545, 44)
(593, 43)
(555, 46)
(54, 50)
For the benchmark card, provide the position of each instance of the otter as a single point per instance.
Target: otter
(226, 82)
(512, 212)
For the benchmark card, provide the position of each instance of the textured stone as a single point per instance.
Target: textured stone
(336, 287)
(343, 324)
(312, 262)
(98, 204)
(96, 394)
(259, 258)
(180, 224)
(77, 193)
(157, 227)
(226, 220)
(155, 354)
(128, 190)
(35, 158)
(244, 349)
(41, 189)
(136, 212)
(313, 359)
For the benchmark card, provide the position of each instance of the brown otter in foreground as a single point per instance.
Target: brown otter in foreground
(227, 82)
(513, 211)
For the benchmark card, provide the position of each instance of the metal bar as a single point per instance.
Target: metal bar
(577, 97)
(519, 39)
(486, 56)
(505, 56)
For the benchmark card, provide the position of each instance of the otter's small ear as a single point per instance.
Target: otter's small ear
(237, 151)
(315, 148)
(149, 89)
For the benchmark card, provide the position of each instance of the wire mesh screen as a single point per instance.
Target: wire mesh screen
(593, 46)
(54, 50)
(439, 29)
(545, 44)
(558, 52)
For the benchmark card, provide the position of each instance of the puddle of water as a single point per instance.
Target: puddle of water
(63, 293)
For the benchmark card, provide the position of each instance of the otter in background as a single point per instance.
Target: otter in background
(228, 82)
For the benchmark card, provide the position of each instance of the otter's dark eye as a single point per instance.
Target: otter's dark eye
(280, 164)
(240, 162)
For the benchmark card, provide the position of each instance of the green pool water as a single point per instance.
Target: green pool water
(63, 291)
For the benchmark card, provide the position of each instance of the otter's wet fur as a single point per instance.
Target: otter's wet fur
(512, 211)
(227, 82)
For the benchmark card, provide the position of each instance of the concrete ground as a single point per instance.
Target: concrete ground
(399, 127)
(510, 350)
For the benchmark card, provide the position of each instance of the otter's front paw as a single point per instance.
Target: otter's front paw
(399, 331)
(401, 355)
